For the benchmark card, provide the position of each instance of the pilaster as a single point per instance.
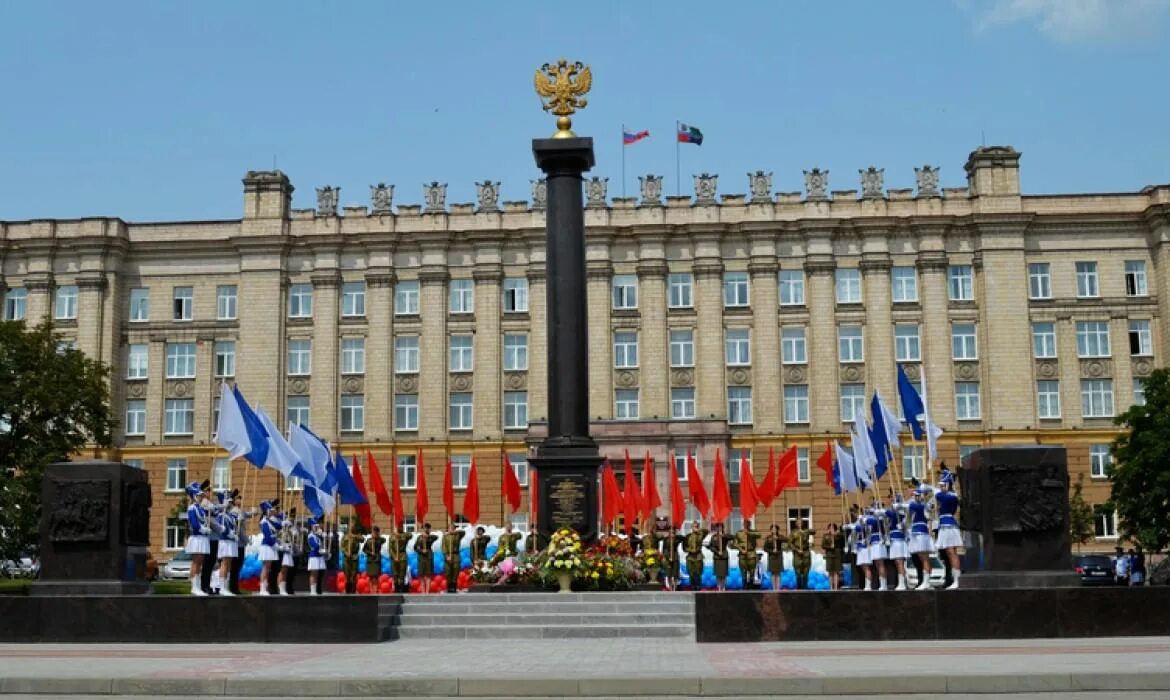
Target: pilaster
(766, 403)
(654, 344)
(824, 394)
(937, 360)
(379, 390)
(432, 378)
(489, 399)
(710, 363)
(879, 325)
(599, 276)
(326, 367)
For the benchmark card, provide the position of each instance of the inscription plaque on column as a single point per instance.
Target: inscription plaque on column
(568, 501)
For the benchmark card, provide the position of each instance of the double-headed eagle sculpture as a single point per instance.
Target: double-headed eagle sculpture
(561, 87)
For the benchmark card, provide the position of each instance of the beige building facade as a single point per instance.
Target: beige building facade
(729, 324)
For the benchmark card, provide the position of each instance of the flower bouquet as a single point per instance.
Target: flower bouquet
(564, 557)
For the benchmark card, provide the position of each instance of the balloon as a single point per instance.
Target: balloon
(491, 550)
(341, 581)
(464, 581)
(507, 566)
(847, 577)
(465, 558)
(361, 561)
(412, 563)
(415, 586)
(385, 562)
(385, 587)
(788, 580)
(383, 578)
(439, 560)
(818, 581)
(734, 581)
(766, 581)
(363, 585)
(438, 583)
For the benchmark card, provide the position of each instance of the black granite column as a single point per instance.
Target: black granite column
(568, 459)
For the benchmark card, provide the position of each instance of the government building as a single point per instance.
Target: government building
(724, 323)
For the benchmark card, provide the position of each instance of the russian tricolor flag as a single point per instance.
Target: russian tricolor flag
(631, 137)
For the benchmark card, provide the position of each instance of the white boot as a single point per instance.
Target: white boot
(925, 584)
(227, 593)
(901, 584)
(282, 587)
(196, 586)
(954, 581)
(216, 581)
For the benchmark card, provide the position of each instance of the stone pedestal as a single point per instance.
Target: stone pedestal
(568, 459)
(1014, 514)
(95, 529)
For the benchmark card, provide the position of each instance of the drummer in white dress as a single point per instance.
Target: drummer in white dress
(228, 542)
(269, 528)
(198, 541)
(949, 538)
(861, 550)
(921, 544)
(875, 526)
(316, 555)
(895, 527)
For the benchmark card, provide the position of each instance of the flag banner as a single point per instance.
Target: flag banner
(721, 495)
(281, 455)
(422, 502)
(890, 420)
(378, 486)
(471, 497)
(933, 432)
(826, 464)
(314, 455)
(787, 476)
(511, 485)
(239, 431)
(632, 137)
(847, 475)
(698, 492)
(611, 495)
(690, 134)
(650, 499)
(767, 488)
(449, 491)
(912, 406)
(631, 496)
(365, 513)
(678, 507)
(749, 498)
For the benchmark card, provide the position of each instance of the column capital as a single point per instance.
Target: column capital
(536, 272)
(707, 267)
(875, 263)
(433, 275)
(92, 281)
(376, 279)
(487, 273)
(820, 266)
(652, 268)
(932, 261)
(759, 265)
(39, 282)
(326, 280)
(598, 270)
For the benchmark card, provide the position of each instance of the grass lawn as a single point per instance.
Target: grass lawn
(18, 586)
(171, 587)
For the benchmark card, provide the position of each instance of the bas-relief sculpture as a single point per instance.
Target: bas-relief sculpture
(927, 177)
(487, 194)
(539, 194)
(651, 189)
(327, 198)
(872, 182)
(816, 184)
(381, 198)
(760, 186)
(80, 512)
(435, 196)
(705, 188)
(595, 192)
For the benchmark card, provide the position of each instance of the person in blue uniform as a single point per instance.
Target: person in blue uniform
(921, 546)
(949, 539)
(875, 525)
(269, 533)
(896, 530)
(209, 580)
(240, 527)
(861, 550)
(198, 541)
(228, 546)
(316, 555)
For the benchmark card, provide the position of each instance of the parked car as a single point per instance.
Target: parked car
(25, 566)
(1094, 569)
(178, 568)
(938, 573)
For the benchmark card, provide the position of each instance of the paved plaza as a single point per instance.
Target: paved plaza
(627, 668)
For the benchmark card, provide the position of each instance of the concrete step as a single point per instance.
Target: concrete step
(552, 596)
(539, 608)
(552, 620)
(544, 632)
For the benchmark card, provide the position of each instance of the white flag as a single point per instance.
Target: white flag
(314, 457)
(231, 433)
(864, 454)
(281, 455)
(846, 473)
(892, 423)
(933, 432)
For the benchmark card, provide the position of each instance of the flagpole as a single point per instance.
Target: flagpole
(677, 165)
(623, 161)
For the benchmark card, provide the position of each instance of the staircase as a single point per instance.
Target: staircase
(389, 611)
(542, 616)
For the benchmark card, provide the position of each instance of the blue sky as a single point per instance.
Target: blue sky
(153, 110)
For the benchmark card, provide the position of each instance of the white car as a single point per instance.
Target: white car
(178, 568)
(938, 573)
(23, 567)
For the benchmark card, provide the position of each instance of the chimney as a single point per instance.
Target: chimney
(993, 171)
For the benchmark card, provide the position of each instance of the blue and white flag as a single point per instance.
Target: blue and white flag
(281, 456)
(239, 431)
(933, 432)
(314, 456)
(864, 455)
(847, 475)
(912, 405)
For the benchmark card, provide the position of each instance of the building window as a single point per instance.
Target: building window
(176, 474)
(140, 304)
(64, 346)
(793, 349)
(214, 418)
(1087, 285)
(1092, 338)
(625, 292)
(1141, 341)
(407, 471)
(682, 348)
(353, 413)
(409, 524)
(966, 451)
(1100, 461)
(137, 362)
(961, 280)
(461, 359)
(406, 411)
(850, 347)
(1039, 281)
(353, 299)
(298, 410)
(802, 465)
(852, 401)
(175, 535)
(626, 404)
(625, 349)
(516, 352)
(791, 288)
(135, 417)
(682, 285)
(735, 289)
(180, 417)
(519, 464)
(963, 345)
(221, 474)
(1048, 398)
(1044, 340)
(680, 468)
(515, 295)
(1104, 523)
(406, 298)
(300, 301)
(460, 411)
(516, 410)
(226, 302)
(1139, 391)
(406, 354)
(904, 284)
(913, 462)
(15, 304)
(848, 282)
(967, 400)
(907, 345)
(353, 355)
(796, 514)
(462, 296)
(738, 346)
(460, 470)
(65, 306)
(184, 303)
(796, 403)
(682, 402)
(1135, 278)
(739, 405)
(180, 360)
(300, 356)
(225, 358)
(1097, 398)
(135, 463)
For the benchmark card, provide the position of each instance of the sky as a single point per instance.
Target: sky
(151, 110)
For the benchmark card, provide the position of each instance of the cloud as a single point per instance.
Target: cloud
(1078, 20)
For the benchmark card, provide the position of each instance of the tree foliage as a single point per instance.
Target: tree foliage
(52, 404)
(1141, 472)
(1080, 515)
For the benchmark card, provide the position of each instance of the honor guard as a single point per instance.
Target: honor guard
(316, 547)
(800, 542)
(424, 547)
(198, 542)
(671, 561)
(372, 548)
(240, 528)
(535, 542)
(649, 543)
(693, 545)
(949, 538)
(718, 543)
(506, 545)
(833, 544)
(774, 549)
(397, 545)
(747, 541)
(209, 576)
(351, 546)
(895, 527)
(452, 559)
(228, 546)
(479, 545)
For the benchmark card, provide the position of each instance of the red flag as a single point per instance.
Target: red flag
(611, 495)
(363, 511)
(695, 487)
(767, 488)
(396, 492)
(825, 463)
(377, 486)
(787, 477)
(449, 491)
(631, 496)
(471, 497)
(511, 485)
(533, 494)
(422, 503)
(748, 498)
(650, 499)
(678, 508)
(721, 496)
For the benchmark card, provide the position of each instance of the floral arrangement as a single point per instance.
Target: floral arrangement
(613, 545)
(564, 553)
(651, 558)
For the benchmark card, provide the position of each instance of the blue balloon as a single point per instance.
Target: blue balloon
(465, 558)
(385, 563)
(734, 580)
(251, 567)
(847, 577)
(412, 563)
(361, 561)
(439, 561)
(491, 550)
(766, 581)
(818, 581)
(708, 579)
(788, 580)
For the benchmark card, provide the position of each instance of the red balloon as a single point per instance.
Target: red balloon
(385, 587)
(415, 586)
(340, 581)
(383, 577)
(464, 581)
(363, 577)
(439, 584)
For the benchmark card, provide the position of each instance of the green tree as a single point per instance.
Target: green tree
(53, 402)
(1080, 515)
(1141, 472)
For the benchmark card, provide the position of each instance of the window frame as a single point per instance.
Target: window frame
(796, 402)
(1046, 338)
(297, 295)
(135, 427)
(1048, 399)
(684, 284)
(964, 346)
(626, 358)
(516, 408)
(464, 353)
(306, 355)
(1136, 280)
(737, 349)
(461, 296)
(1098, 390)
(404, 350)
(627, 403)
(515, 291)
(1144, 336)
(460, 404)
(516, 352)
(961, 283)
(965, 400)
(176, 410)
(138, 361)
(294, 413)
(791, 287)
(189, 360)
(849, 404)
(405, 412)
(353, 405)
(67, 296)
(1039, 280)
(139, 303)
(911, 342)
(407, 294)
(847, 287)
(227, 295)
(678, 401)
(624, 292)
(736, 413)
(682, 350)
(1094, 339)
(900, 283)
(855, 343)
(353, 299)
(1088, 279)
(224, 353)
(737, 293)
(183, 304)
